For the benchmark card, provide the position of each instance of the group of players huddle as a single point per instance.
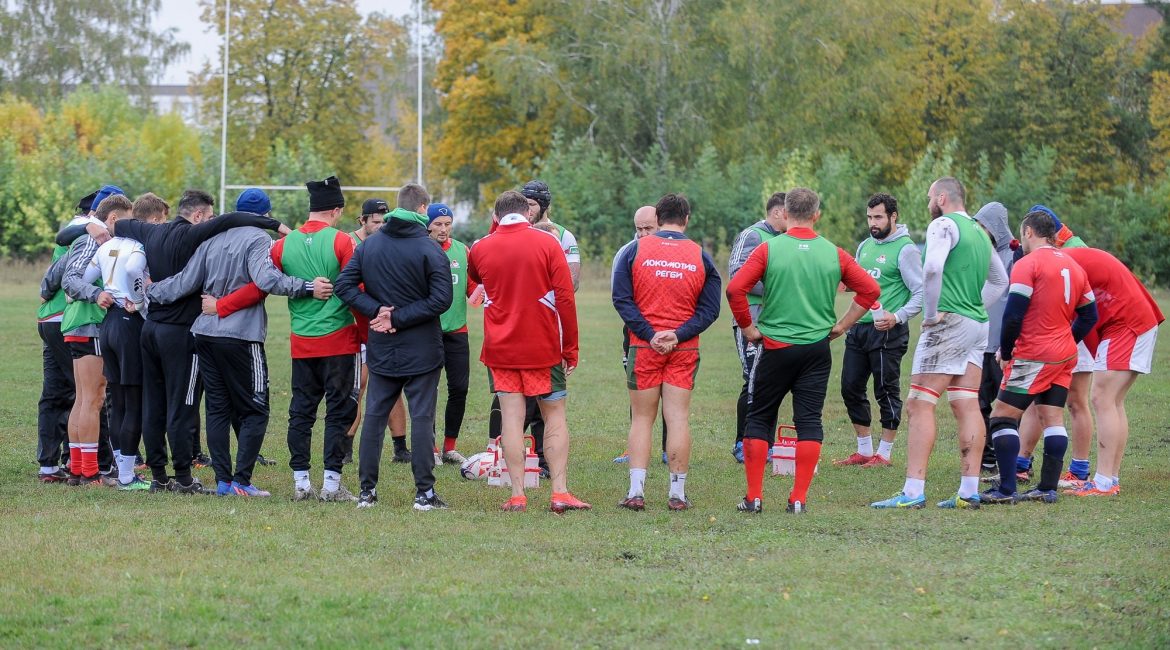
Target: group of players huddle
(140, 315)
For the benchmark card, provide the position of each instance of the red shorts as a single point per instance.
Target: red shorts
(646, 369)
(1124, 349)
(1035, 377)
(547, 383)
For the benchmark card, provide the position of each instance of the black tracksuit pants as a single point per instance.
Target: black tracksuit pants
(171, 389)
(873, 353)
(235, 375)
(803, 371)
(747, 358)
(121, 335)
(57, 395)
(382, 392)
(988, 391)
(336, 379)
(457, 365)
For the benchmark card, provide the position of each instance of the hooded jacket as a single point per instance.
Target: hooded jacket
(994, 218)
(403, 268)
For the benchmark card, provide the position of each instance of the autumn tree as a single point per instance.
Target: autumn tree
(490, 123)
(301, 68)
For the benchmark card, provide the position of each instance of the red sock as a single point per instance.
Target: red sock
(89, 461)
(449, 444)
(755, 457)
(74, 459)
(808, 454)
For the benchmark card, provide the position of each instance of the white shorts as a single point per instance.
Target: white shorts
(1085, 360)
(1123, 350)
(947, 348)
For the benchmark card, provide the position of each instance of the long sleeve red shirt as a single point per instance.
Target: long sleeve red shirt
(529, 315)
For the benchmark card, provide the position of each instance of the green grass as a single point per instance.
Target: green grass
(97, 568)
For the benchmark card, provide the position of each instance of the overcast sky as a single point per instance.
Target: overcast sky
(184, 14)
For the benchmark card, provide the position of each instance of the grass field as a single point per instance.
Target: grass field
(98, 568)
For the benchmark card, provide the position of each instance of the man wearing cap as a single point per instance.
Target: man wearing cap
(324, 342)
(324, 338)
(57, 364)
(401, 280)
(231, 348)
(456, 350)
(373, 216)
(170, 370)
(81, 329)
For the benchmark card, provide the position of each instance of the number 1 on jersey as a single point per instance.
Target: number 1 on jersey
(1067, 285)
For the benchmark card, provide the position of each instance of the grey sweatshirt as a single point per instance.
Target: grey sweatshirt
(994, 218)
(221, 265)
(909, 268)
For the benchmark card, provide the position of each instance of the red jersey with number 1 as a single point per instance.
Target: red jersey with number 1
(668, 275)
(1056, 287)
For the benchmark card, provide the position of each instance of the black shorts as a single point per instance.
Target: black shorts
(91, 347)
(121, 339)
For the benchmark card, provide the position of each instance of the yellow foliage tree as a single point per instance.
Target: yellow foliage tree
(489, 124)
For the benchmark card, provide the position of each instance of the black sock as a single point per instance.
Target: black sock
(1054, 448)
(399, 443)
(1007, 447)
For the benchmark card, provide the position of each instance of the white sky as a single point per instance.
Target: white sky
(184, 14)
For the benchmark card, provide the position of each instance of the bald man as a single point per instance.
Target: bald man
(645, 223)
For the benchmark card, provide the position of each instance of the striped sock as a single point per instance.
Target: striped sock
(89, 461)
(75, 458)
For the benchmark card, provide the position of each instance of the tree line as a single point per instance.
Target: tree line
(616, 102)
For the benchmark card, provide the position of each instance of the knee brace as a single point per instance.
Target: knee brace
(1004, 426)
(922, 393)
(956, 393)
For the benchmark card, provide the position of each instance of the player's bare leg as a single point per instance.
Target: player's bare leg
(85, 417)
(643, 413)
(920, 412)
(512, 407)
(676, 408)
(556, 442)
(1109, 391)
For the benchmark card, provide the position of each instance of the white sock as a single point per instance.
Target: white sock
(48, 470)
(865, 445)
(637, 482)
(678, 486)
(914, 487)
(301, 478)
(968, 486)
(332, 481)
(886, 449)
(125, 469)
(1102, 482)
(1116, 481)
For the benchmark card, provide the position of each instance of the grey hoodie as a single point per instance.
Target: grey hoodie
(222, 264)
(994, 218)
(910, 268)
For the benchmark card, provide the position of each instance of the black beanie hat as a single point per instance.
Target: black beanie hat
(86, 202)
(325, 195)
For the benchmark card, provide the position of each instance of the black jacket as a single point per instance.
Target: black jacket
(402, 267)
